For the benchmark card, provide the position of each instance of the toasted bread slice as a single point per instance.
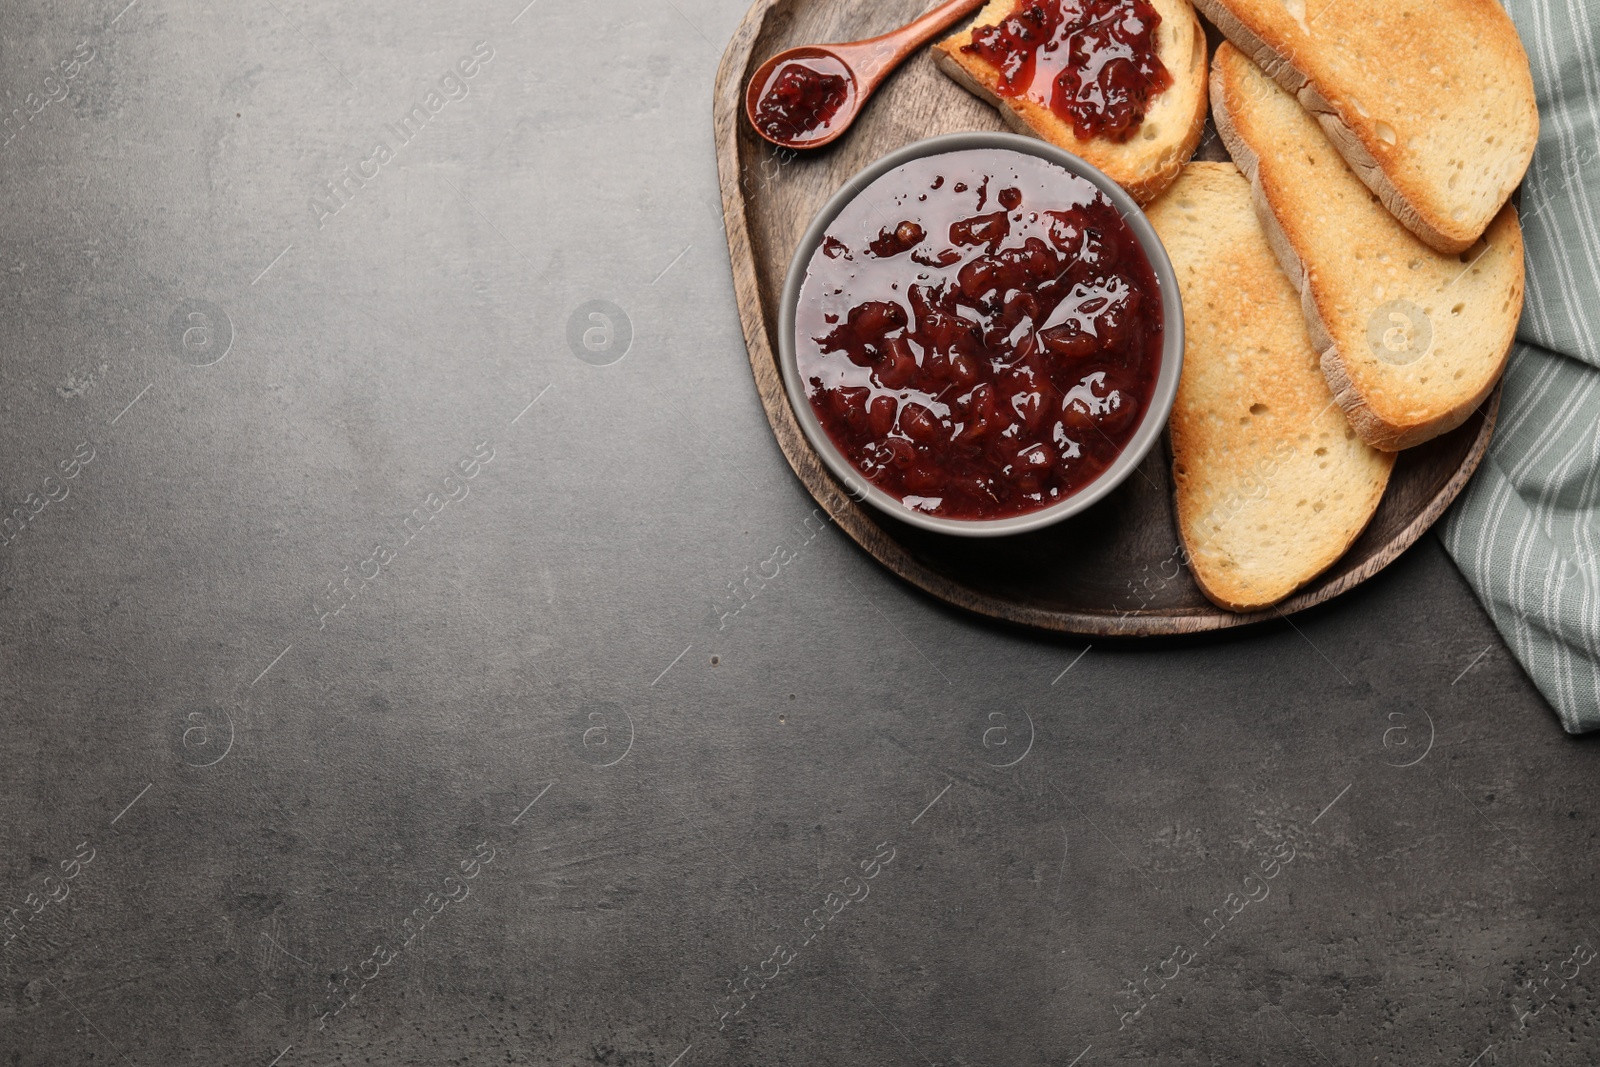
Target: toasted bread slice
(1412, 340)
(1272, 484)
(1431, 102)
(1151, 159)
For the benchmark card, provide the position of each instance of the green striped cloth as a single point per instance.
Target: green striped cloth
(1526, 531)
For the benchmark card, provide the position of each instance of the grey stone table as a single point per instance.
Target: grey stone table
(371, 691)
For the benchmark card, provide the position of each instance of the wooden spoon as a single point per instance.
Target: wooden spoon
(861, 64)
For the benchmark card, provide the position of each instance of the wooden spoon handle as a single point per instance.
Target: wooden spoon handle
(872, 59)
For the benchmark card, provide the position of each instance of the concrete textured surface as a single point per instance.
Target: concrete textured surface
(366, 697)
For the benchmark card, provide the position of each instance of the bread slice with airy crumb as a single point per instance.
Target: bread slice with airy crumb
(1431, 102)
(1272, 485)
(1149, 161)
(1412, 340)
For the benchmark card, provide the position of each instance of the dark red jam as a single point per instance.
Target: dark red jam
(801, 99)
(979, 333)
(1092, 62)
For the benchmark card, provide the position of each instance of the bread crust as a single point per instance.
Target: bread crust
(1282, 44)
(1357, 393)
(1144, 167)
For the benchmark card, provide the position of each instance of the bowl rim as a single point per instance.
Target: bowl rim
(1155, 418)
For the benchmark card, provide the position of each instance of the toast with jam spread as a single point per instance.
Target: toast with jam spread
(1120, 83)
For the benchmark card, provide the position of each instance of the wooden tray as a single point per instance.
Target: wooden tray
(1114, 570)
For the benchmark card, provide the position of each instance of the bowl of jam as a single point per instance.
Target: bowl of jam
(981, 334)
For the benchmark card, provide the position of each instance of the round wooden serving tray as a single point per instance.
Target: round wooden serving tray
(1115, 570)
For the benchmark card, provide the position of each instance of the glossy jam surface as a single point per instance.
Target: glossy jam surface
(1092, 62)
(979, 333)
(801, 99)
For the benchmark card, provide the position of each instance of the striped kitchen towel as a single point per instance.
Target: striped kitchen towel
(1526, 531)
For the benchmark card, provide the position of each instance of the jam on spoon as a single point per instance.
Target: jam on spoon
(801, 99)
(806, 96)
